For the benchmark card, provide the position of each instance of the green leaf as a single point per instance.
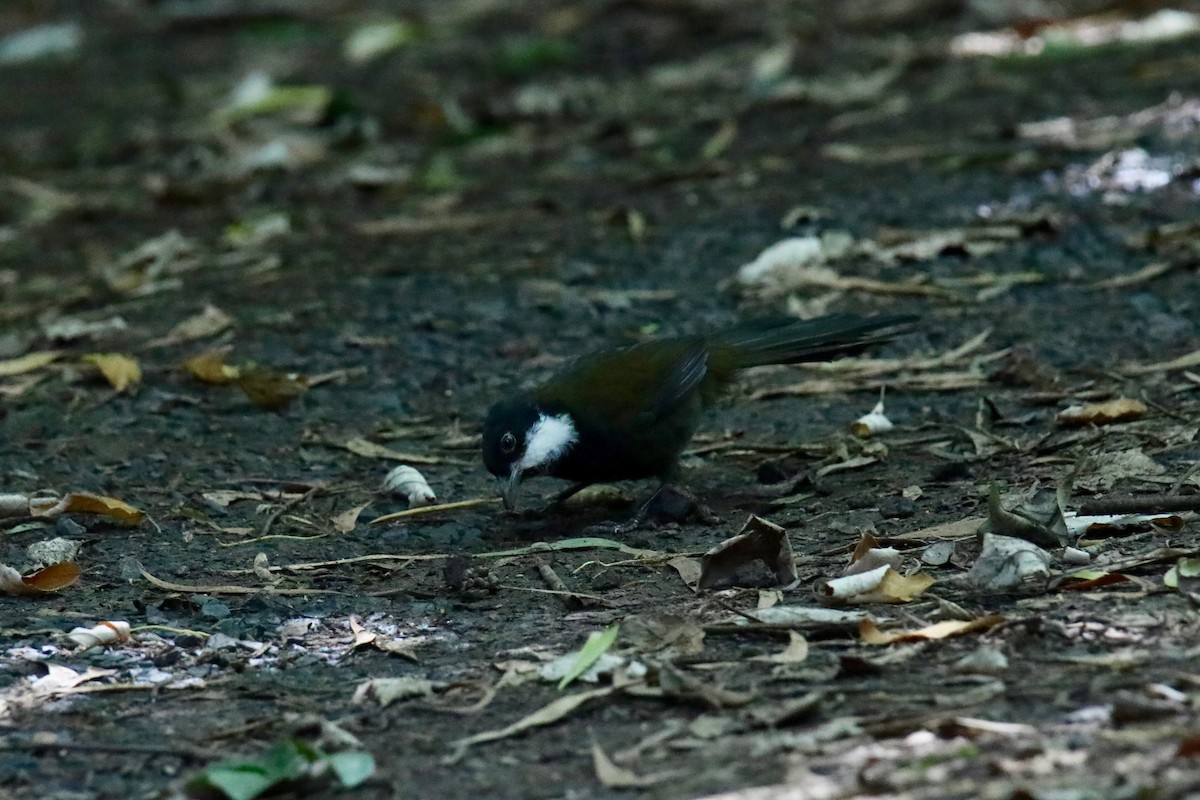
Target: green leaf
(237, 781)
(596, 645)
(351, 767)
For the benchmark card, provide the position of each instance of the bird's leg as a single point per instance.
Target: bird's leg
(568, 492)
(633, 523)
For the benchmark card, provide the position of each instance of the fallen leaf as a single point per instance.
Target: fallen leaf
(388, 690)
(211, 368)
(597, 644)
(28, 362)
(546, 715)
(367, 449)
(758, 540)
(84, 503)
(614, 776)
(208, 322)
(871, 634)
(270, 390)
(1122, 409)
(119, 370)
(346, 521)
(794, 653)
(47, 579)
(1006, 562)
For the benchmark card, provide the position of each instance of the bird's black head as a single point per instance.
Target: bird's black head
(520, 440)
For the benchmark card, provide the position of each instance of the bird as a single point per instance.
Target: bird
(627, 413)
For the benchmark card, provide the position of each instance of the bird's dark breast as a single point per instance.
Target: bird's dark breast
(604, 454)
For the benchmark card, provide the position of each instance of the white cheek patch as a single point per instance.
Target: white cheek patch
(547, 440)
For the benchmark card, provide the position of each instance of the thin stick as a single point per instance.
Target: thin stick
(420, 510)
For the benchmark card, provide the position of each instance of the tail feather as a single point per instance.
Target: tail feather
(791, 341)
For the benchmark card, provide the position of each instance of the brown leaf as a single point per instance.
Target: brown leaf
(52, 578)
(271, 390)
(1122, 409)
(758, 540)
(84, 503)
(119, 370)
(211, 368)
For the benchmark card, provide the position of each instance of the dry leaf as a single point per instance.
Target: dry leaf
(208, 322)
(46, 579)
(347, 520)
(271, 390)
(546, 715)
(1123, 409)
(119, 370)
(794, 653)
(880, 585)
(758, 540)
(362, 447)
(28, 362)
(871, 634)
(83, 503)
(614, 776)
(211, 368)
(388, 690)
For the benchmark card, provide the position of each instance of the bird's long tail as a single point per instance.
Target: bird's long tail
(791, 341)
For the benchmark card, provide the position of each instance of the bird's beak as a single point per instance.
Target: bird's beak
(508, 487)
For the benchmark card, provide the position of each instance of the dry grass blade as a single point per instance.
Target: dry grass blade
(225, 589)
(422, 510)
(546, 715)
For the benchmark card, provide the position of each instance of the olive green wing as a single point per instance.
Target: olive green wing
(630, 387)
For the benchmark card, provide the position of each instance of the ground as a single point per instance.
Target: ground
(368, 248)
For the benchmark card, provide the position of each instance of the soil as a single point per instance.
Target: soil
(523, 182)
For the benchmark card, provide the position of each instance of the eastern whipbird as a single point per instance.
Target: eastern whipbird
(627, 413)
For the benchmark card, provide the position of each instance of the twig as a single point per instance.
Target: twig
(558, 585)
(290, 504)
(219, 589)
(418, 511)
(1141, 503)
(97, 747)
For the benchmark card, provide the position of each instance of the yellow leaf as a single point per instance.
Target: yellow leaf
(211, 368)
(119, 370)
(869, 632)
(28, 362)
(84, 503)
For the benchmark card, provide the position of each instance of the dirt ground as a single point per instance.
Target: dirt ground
(326, 260)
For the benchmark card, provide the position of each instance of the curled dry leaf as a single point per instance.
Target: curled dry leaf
(758, 540)
(102, 634)
(872, 423)
(121, 371)
(211, 368)
(84, 503)
(386, 691)
(1123, 409)
(880, 585)
(47, 579)
(28, 362)
(410, 484)
(1006, 562)
(346, 521)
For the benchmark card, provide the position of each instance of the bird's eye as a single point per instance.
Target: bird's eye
(508, 442)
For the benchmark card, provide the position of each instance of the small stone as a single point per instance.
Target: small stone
(897, 508)
(65, 526)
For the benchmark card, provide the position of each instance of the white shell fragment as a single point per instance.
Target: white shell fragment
(410, 484)
(102, 634)
(873, 423)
